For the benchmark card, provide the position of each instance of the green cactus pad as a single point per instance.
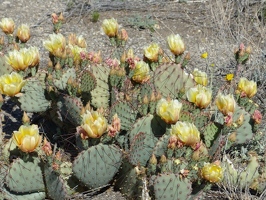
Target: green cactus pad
(171, 80)
(141, 148)
(87, 82)
(210, 133)
(70, 108)
(5, 194)
(55, 185)
(125, 112)
(61, 83)
(244, 131)
(97, 165)
(4, 67)
(33, 98)
(170, 186)
(100, 95)
(25, 176)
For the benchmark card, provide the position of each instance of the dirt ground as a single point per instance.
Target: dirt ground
(197, 22)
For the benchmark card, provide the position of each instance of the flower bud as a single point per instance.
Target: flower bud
(54, 18)
(123, 35)
(46, 147)
(257, 117)
(23, 33)
(168, 110)
(2, 40)
(25, 118)
(247, 88)
(176, 44)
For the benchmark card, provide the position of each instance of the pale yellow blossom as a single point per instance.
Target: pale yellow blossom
(11, 84)
(168, 110)
(27, 138)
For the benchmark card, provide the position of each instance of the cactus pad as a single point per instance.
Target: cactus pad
(70, 108)
(4, 67)
(100, 95)
(97, 165)
(171, 80)
(33, 98)
(56, 188)
(126, 114)
(62, 82)
(25, 176)
(170, 186)
(87, 82)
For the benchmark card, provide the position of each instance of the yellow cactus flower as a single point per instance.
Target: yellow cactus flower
(200, 77)
(24, 58)
(226, 103)
(56, 45)
(23, 33)
(27, 138)
(229, 77)
(94, 124)
(212, 172)
(141, 72)
(168, 110)
(247, 88)
(204, 55)
(110, 27)
(176, 45)
(187, 133)
(200, 96)
(11, 84)
(152, 52)
(7, 25)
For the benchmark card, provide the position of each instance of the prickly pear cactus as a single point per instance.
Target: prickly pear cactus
(33, 98)
(97, 165)
(25, 176)
(170, 186)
